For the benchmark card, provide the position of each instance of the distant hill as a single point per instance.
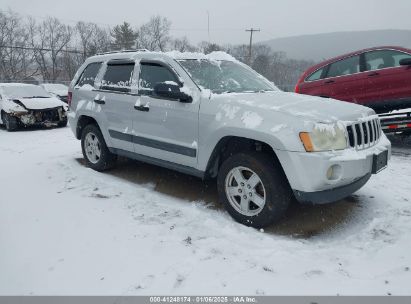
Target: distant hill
(323, 46)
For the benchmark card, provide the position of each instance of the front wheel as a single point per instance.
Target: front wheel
(10, 122)
(254, 189)
(62, 124)
(95, 151)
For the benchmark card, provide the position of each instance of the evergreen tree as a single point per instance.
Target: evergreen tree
(124, 36)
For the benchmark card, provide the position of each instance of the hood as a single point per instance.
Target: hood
(41, 103)
(306, 107)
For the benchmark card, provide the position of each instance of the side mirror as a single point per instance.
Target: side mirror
(171, 91)
(405, 61)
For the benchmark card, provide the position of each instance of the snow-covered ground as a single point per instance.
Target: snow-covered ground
(139, 229)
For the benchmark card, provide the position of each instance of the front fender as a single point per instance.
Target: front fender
(278, 138)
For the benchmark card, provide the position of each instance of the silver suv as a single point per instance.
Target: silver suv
(213, 117)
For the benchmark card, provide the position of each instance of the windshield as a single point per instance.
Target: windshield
(225, 76)
(55, 86)
(25, 91)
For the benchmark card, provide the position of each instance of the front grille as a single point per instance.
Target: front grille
(50, 115)
(364, 134)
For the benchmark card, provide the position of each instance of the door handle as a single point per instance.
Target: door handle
(142, 108)
(99, 101)
(373, 74)
(329, 81)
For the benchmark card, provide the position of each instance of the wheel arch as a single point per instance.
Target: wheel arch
(82, 122)
(230, 145)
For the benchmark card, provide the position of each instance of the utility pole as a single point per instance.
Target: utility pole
(208, 26)
(251, 30)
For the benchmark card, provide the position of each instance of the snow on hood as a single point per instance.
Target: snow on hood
(41, 103)
(309, 108)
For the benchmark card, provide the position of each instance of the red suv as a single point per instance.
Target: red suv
(379, 78)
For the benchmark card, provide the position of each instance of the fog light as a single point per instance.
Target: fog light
(334, 172)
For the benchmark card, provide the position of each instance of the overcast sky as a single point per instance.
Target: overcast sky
(230, 18)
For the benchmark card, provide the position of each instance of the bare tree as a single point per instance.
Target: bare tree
(93, 39)
(206, 47)
(154, 35)
(16, 60)
(49, 40)
(182, 45)
(55, 50)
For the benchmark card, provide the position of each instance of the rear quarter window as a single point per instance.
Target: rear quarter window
(89, 74)
(315, 76)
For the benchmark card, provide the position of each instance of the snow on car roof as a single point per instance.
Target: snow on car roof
(214, 56)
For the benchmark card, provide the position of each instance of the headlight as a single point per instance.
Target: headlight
(324, 137)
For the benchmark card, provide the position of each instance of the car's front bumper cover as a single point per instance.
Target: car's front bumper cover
(331, 195)
(44, 117)
(307, 172)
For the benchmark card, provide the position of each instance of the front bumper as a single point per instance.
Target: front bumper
(331, 195)
(307, 172)
(45, 117)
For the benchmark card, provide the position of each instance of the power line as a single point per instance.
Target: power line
(39, 49)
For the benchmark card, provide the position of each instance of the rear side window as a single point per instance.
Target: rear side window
(118, 77)
(89, 74)
(315, 76)
(383, 59)
(152, 74)
(343, 67)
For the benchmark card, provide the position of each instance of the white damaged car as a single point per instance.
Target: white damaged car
(23, 105)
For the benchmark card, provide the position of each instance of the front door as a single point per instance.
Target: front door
(164, 129)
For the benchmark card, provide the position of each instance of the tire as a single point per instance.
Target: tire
(10, 122)
(95, 151)
(62, 124)
(272, 186)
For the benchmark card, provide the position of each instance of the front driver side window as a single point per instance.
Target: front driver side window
(152, 74)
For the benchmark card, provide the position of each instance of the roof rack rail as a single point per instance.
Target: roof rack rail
(123, 51)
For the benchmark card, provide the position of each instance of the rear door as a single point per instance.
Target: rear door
(117, 99)
(344, 80)
(165, 129)
(386, 80)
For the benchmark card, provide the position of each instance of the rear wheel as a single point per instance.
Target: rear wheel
(95, 151)
(253, 189)
(10, 122)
